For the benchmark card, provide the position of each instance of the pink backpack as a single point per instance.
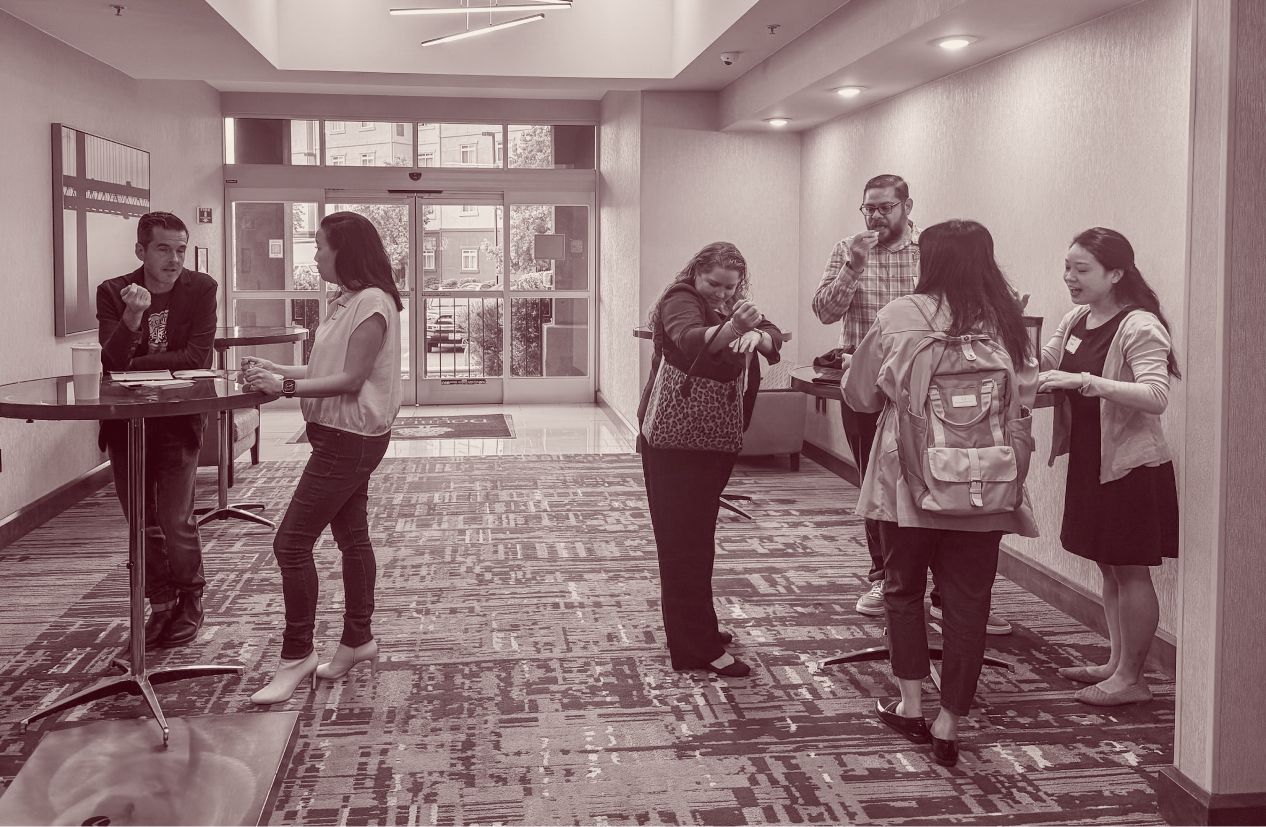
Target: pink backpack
(963, 438)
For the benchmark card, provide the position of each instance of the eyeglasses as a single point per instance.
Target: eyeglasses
(882, 209)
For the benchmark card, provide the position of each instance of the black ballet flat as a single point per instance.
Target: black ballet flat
(913, 729)
(738, 669)
(944, 752)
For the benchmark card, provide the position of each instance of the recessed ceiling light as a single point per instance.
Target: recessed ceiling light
(777, 121)
(955, 42)
(849, 91)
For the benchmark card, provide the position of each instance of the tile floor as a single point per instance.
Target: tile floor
(538, 429)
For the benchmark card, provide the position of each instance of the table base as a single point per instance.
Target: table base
(728, 500)
(233, 511)
(134, 684)
(882, 653)
(219, 769)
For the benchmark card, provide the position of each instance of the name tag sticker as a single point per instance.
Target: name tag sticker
(963, 401)
(1073, 344)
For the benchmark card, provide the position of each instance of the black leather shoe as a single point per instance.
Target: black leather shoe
(944, 752)
(185, 622)
(913, 729)
(156, 627)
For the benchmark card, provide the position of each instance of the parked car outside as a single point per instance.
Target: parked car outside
(441, 330)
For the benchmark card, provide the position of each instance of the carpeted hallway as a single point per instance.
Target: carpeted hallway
(524, 679)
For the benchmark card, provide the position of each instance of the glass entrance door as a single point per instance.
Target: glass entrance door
(497, 290)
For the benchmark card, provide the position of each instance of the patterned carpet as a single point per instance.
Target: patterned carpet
(524, 678)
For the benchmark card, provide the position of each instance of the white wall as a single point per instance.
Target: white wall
(1089, 127)
(619, 229)
(689, 185)
(43, 82)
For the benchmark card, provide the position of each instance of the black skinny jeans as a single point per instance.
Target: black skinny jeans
(684, 489)
(333, 491)
(964, 564)
(859, 432)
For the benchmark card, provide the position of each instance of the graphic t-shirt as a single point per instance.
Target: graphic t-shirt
(156, 323)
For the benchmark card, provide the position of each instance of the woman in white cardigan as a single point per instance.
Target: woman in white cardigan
(1112, 357)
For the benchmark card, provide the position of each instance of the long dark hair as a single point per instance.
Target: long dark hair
(718, 254)
(1114, 252)
(359, 258)
(956, 265)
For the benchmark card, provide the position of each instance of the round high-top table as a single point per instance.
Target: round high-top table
(225, 338)
(824, 383)
(54, 399)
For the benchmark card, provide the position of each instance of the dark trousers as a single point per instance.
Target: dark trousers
(684, 489)
(173, 550)
(859, 431)
(333, 491)
(964, 564)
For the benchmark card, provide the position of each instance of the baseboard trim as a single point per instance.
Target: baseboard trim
(838, 466)
(1051, 587)
(21, 522)
(1075, 601)
(614, 414)
(1182, 801)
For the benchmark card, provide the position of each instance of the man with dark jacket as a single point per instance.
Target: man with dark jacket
(162, 317)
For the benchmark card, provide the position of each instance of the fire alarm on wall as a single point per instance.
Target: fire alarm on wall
(204, 215)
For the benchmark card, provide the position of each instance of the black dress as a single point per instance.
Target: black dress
(1132, 521)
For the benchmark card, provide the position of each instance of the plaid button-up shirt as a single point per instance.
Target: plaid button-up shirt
(855, 298)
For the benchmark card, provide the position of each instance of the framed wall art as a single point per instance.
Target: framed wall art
(100, 189)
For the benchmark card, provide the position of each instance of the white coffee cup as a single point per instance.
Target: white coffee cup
(85, 364)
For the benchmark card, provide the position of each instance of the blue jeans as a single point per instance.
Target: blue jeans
(334, 492)
(173, 549)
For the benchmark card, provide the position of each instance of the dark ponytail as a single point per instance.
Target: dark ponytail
(1113, 252)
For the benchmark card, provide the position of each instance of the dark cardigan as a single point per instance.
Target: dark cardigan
(680, 334)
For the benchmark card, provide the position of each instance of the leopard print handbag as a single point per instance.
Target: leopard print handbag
(694, 413)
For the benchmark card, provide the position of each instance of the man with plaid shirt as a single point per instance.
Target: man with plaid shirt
(866, 271)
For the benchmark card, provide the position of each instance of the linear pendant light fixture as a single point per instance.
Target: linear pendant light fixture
(544, 5)
(449, 38)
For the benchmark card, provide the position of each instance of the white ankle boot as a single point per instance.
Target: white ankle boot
(290, 673)
(346, 657)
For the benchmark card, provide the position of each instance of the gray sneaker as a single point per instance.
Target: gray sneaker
(872, 602)
(993, 626)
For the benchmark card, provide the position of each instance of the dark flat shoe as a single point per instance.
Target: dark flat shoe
(914, 730)
(944, 752)
(738, 669)
(726, 638)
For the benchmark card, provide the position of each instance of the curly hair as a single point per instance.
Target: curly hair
(717, 255)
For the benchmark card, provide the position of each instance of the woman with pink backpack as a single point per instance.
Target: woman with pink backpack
(952, 369)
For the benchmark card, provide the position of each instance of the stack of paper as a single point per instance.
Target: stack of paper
(139, 375)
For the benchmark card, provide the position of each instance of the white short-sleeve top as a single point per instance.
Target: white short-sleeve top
(371, 410)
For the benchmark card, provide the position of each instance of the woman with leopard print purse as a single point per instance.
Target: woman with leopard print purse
(698, 400)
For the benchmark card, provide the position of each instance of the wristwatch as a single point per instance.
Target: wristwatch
(287, 388)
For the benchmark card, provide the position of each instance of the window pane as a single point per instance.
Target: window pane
(268, 313)
(549, 247)
(551, 147)
(392, 223)
(462, 337)
(259, 233)
(461, 250)
(368, 143)
(550, 337)
(305, 143)
(256, 140)
(304, 220)
(460, 145)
